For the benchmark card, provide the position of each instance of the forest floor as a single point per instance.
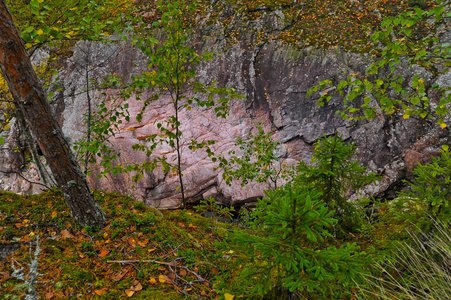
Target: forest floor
(141, 253)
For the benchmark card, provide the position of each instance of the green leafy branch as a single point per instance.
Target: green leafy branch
(403, 77)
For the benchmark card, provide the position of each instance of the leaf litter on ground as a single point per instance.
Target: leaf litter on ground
(140, 254)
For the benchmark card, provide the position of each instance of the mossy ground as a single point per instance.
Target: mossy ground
(141, 253)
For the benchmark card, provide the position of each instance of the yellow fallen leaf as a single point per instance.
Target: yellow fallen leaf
(151, 250)
(163, 279)
(152, 280)
(405, 116)
(228, 296)
(443, 125)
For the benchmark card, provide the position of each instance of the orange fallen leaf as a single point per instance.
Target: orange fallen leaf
(103, 252)
(54, 213)
(101, 291)
(66, 234)
(49, 295)
(138, 287)
(135, 282)
(19, 225)
(129, 293)
(118, 276)
(131, 241)
(182, 272)
(143, 243)
(161, 268)
(191, 225)
(215, 271)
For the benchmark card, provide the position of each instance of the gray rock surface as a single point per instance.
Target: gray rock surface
(274, 81)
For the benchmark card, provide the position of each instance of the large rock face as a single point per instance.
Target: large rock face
(274, 81)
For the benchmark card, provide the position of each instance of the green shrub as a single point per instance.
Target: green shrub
(286, 249)
(431, 190)
(335, 174)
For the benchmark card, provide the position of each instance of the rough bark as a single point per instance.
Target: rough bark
(29, 98)
(44, 176)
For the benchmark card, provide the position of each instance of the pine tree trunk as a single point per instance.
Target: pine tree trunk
(29, 98)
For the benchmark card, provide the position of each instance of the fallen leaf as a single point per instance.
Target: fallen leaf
(171, 276)
(19, 225)
(161, 268)
(131, 241)
(66, 234)
(54, 213)
(182, 272)
(151, 250)
(191, 225)
(135, 282)
(118, 276)
(215, 271)
(228, 296)
(138, 287)
(152, 280)
(129, 293)
(103, 252)
(49, 295)
(163, 279)
(143, 243)
(101, 291)
(5, 276)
